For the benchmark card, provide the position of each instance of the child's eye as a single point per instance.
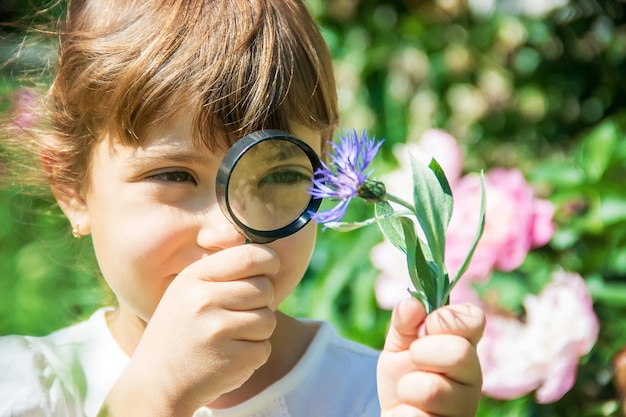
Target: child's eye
(285, 176)
(173, 176)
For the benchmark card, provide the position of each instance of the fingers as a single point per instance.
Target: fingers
(429, 364)
(432, 394)
(215, 314)
(244, 294)
(251, 325)
(241, 278)
(452, 356)
(235, 263)
(464, 320)
(448, 346)
(405, 321)
(409, 411)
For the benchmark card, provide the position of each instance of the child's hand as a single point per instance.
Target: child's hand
(207, 336)
(429, 365)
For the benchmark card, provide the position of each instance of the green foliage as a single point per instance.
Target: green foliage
(338, 287)
(46, 282)
(541, 94)
(545, 94)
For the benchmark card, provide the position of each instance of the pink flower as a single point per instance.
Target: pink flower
(25, 107)
(516, 221)
(504, 358)
(541, 353)
(442, 146)
(434, 143)
(393, 282)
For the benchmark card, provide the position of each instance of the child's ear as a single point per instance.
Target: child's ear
(69, 196)
(74, 206)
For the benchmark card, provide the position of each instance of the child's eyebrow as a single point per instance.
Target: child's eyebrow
(179, 157)
(277, 150)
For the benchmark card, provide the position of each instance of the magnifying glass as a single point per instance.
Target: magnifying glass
(262, 185)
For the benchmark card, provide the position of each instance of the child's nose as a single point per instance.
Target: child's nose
(217, 232)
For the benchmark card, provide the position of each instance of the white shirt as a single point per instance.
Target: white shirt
(70, 372)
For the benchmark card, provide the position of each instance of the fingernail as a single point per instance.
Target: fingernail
(421, 330)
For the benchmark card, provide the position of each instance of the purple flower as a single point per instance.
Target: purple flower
(346, 177)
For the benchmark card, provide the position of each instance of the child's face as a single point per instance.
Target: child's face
(152, 211)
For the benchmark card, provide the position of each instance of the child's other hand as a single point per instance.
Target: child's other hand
(429, 365)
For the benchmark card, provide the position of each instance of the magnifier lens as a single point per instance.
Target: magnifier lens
(262, 185)
(268, 185)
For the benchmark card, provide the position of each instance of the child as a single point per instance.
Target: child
(147, 97)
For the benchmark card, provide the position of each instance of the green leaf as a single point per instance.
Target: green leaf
(612, 209)
(350, 226)
(479, 232)
(609, 293)
(420, 296)
(390, 226)
(597, 150)
(433, 205)
(411, 241)
(423, 276)
(443, 182)
(427, 279)
(400, 231)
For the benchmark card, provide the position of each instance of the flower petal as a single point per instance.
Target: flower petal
(345, 173)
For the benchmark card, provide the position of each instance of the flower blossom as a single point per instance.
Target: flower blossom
(516, 222)
(347, 176)
(542, 352)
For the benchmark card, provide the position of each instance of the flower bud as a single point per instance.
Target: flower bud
(372, 191)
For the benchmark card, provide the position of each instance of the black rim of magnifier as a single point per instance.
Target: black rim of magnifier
(230, 160)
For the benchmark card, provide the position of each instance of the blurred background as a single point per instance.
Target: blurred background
(530, 91)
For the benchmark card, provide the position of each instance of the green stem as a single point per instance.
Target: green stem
(398, 200)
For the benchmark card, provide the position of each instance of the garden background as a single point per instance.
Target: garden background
(535, 88)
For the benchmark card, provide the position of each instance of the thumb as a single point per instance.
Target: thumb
(406, 320)
(464, 320)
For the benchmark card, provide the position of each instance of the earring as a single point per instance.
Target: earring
(76, 232)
